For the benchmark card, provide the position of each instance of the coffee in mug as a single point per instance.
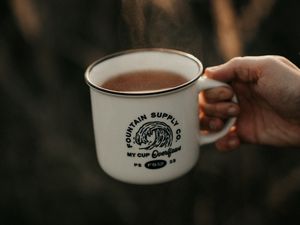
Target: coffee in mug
(144, 80)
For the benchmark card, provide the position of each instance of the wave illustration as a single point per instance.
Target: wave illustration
(154, 134)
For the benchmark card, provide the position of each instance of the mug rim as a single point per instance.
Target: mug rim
(147, 92)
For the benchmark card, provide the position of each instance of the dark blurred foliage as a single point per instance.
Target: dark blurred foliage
(48, 168)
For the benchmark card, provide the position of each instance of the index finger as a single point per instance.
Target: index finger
(218, 94)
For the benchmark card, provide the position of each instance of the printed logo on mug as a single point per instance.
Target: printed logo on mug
(146, 115)
(155, 135)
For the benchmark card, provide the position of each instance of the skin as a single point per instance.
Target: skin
(268, 109)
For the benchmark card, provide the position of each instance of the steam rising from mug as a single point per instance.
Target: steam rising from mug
(161, 23)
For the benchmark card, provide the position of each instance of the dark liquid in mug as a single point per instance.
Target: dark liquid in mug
(144, 81)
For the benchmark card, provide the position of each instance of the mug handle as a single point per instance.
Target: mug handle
(205, 83)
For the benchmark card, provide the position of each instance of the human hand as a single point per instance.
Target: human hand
(268, 92)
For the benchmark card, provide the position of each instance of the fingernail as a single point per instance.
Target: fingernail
(232, 111)
(222, 95)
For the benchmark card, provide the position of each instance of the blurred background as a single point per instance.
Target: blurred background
(48, 168)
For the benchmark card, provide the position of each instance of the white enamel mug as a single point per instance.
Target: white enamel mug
(149, 137)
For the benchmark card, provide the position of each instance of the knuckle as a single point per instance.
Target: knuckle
(271, 59)
(236, 60)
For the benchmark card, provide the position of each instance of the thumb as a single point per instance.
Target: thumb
(246, 69)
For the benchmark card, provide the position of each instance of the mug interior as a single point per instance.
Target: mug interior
(113, 65)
